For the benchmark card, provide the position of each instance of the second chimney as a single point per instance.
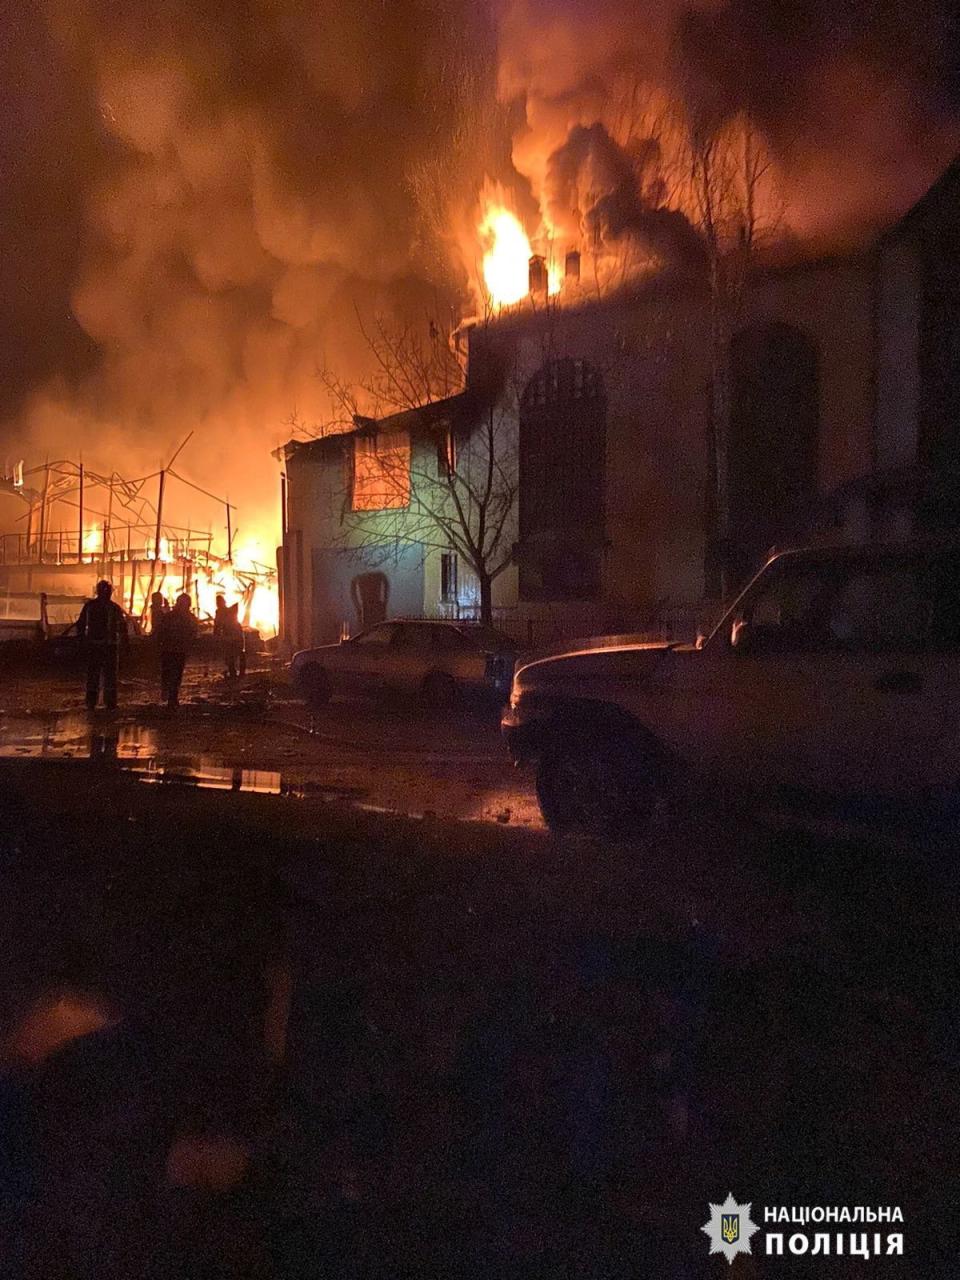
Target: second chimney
(538, 275)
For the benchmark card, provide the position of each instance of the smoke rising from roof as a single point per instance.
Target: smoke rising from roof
(593, 186)
(200, 195)
(203, 196)
(860, 102)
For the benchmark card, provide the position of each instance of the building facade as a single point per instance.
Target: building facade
(844, 421)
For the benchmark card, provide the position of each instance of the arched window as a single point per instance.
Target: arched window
(774, 431)
(562, 469)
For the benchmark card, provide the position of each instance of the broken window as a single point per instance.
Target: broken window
(381, 471)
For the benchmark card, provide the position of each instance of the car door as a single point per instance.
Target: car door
(736, 718)
(458, 655)
(364, 664)
(425, 648)
(836, 675)
(758, 706)
(412, 655)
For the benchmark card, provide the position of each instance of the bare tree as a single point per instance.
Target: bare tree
(719, 173)
(434, 465)
(731, 197)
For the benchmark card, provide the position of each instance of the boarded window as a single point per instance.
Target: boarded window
(381, 471)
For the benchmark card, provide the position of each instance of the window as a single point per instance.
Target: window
(382, 635)
(424, 635)
(381, 471)
(448, 577)
(448, 640)
(446, 454)
(846, 607)
(773, 441)
(562, 482)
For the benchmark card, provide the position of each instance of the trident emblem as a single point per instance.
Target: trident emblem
(730, 1226)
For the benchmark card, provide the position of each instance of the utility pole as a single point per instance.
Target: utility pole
(43, 513)
(80, 540)
(229, 537)
(156, 544)
(105, 549)
(156, 547)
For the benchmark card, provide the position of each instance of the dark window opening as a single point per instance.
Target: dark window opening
(446, 455)
(562, 482)
(448, 577)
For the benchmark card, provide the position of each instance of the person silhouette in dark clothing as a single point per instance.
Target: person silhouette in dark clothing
(102, 629)
(158, 607)
(228, 632)
(178, 629)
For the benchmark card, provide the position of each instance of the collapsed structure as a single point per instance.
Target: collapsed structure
(77, 525)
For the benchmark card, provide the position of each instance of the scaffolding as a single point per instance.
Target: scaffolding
(115, 529)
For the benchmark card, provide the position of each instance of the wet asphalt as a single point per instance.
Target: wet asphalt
(254, 1027)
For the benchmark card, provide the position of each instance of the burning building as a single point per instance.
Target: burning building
(843, 382)
(201, 205)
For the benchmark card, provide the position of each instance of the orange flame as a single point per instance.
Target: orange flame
(507, 251)
(506, 257)
(92, 541)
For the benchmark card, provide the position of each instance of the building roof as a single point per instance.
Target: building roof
(425, 415)
(946, 187)
(421, 418)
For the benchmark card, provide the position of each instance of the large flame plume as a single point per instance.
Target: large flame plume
(507, 257)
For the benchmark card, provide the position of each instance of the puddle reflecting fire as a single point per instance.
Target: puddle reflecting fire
(54, 1021)
(131, 747)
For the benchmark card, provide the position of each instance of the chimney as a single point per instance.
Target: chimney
(571, 267)
(538, 276)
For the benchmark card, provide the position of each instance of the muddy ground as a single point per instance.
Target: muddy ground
(253, 1031)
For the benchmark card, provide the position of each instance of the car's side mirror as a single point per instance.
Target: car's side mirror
(756, 638)
(741, 635)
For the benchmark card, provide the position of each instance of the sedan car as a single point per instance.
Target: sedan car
(440, 661)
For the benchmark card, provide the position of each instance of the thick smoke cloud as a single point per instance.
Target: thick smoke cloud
(200, 195)
(203, 196)
(860, 100)
(592, 186)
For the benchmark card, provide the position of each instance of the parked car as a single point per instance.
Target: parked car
(833, 680)
(438, 660)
